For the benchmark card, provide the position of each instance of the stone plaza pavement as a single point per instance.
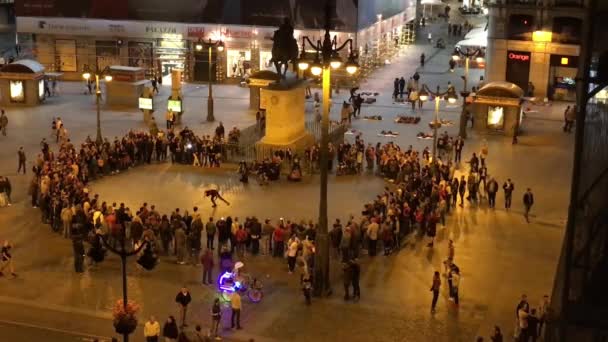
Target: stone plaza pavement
(500, 255)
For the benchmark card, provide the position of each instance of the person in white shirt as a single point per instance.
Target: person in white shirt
(292, 252)
(152, 330)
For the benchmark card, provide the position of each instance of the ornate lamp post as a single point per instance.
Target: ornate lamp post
(123, 253)
(326, 59)
(87, 74)
(467, 55)
(449, 95)
(210, 45)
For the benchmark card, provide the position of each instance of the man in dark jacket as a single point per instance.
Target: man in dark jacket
(182, 299)
(356, 274)
(492, 189)
(348, 278)
(528, 202)
(508, 188)
(255, 232)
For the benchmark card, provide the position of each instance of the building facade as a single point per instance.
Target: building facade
(67, 37)
(536, 42)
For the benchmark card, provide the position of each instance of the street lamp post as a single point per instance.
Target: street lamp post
(108, 78)
(326, 58)
(449, 95)
(220, 47)
(467, 55)
(124, 254)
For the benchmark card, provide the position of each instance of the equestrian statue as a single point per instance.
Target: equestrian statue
(284, 48)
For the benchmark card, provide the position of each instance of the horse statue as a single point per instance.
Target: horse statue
(284, 48)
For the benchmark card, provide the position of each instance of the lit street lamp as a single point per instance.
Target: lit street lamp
(467, 55)
(108, 78)
(450, 96)
(326, 59)
(210, 45)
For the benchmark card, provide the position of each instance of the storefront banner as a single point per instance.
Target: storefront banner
(152, 30)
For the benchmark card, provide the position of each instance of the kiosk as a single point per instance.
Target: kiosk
(126, 87)
(22, 83)
(497, 108)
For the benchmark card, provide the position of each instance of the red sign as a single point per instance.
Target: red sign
(519, 57)
(196, 32)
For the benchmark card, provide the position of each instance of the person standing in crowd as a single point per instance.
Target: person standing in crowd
(347, 273)
(216, 318)
(292, 252)
(435, 286)
(422, 56)
(401, 87)
(3, 122)
(235, 304)
(395, 88)
(372, 234)
(21, 157)
(458, 145)
(182, 299)
(151, 330)
(169, 117)
(543, 314)
(170, 331)
(528, 202)
(508, 188)
(533, 323)
(492, 189)
(210, 229)
(207, 262)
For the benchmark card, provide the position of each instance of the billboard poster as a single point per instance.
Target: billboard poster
(302, 13)
(140, 54)
(107, 53)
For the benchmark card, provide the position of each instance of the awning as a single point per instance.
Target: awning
(478, 41)
(476, 32)
(53, 74)
(432, 2)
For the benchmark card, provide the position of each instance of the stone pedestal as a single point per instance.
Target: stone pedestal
(285, 119)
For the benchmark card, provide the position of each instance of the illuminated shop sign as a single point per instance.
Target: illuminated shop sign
(519, 57)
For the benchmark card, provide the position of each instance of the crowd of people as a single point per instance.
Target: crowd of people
(420, 193)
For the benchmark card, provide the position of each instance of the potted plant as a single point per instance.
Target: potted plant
(125, 320)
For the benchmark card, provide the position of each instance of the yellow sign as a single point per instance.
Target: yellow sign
(258, 82)
(564, 61)
(264, 98)
(542, 36)
(496, 101)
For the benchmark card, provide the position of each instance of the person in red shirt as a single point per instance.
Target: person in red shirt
(241, 238)
(277, 238)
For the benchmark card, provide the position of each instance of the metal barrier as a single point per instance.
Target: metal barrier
(247, 150)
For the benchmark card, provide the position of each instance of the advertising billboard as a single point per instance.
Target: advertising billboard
(303, 13)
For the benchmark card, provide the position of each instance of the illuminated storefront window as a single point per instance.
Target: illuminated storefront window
(238, 62)
(17, 92)
(41, 89)
(496, 118)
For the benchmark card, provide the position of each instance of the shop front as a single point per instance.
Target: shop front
(518, 68)
(170, 54)
(562, 75)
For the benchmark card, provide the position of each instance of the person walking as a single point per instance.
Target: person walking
(151, 330)
(235, 304)
(213, 194)
(455, 274)
(401, 87)
(170, 331)
(182, 299)
(216, 318)
(21, 157)
(435, 286)
(3, 122)
(528, 202)
(422, 56)
(508, 188)
(207, 262)
(492, 189)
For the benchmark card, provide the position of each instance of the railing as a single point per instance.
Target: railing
(247, 150)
